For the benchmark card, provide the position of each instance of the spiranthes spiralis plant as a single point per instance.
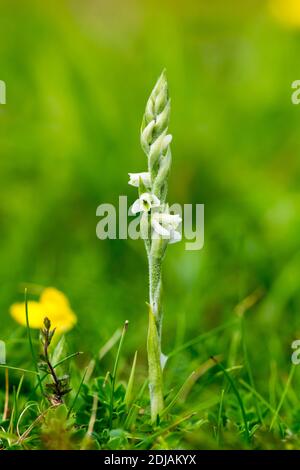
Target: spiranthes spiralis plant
(157, 225)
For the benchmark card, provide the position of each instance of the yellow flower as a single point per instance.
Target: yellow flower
(52, 304)
(286, 11)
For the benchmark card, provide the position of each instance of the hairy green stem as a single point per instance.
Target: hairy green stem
(155, 369)
(154, 330)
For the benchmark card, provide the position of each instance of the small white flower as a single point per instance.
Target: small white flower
(144, 203)
(165, 225)
(134, 179)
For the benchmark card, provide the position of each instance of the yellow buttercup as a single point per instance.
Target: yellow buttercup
(52, 304)
(286, 12)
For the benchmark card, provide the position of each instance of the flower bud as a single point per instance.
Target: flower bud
(164, 168)
(161, 99)
(149, 111)
(162, 120)
(159, 147)
(146, 136)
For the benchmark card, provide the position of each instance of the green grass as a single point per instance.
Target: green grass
(216, 407)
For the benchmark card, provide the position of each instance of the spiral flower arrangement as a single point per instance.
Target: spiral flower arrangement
(158, 226)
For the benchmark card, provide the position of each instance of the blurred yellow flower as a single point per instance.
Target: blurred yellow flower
(52, 304)
(286, 11)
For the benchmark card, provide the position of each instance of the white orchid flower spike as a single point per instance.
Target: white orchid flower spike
(152, 185)
(165, 225)
(144, 203)
(134, 179)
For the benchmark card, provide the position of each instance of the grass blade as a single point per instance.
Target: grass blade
(113, 377)
(239, 399)
(77, 393)
(128, 395)
(284, 393)
(30, 343)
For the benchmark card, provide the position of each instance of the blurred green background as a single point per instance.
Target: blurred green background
(78, 75)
